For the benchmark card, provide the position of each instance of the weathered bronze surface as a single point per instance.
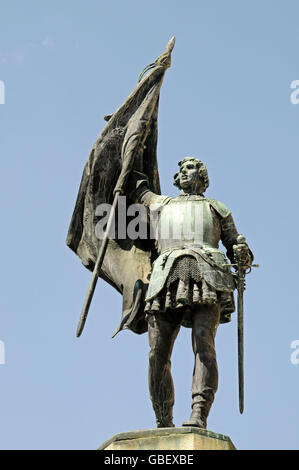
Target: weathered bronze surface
(177, 275)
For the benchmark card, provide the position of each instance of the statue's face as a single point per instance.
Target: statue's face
(188, 175)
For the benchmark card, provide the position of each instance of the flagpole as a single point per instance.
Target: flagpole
(97, 267)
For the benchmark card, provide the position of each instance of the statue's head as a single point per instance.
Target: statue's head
(192, 177)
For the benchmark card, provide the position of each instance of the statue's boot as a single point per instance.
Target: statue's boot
(198, 417)
(163, 412)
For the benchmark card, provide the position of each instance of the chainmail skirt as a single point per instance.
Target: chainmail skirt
(186, 287)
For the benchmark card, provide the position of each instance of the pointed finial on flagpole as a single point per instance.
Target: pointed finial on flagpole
(171, 44)
(163, 60)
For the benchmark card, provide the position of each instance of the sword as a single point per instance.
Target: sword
(242, 270)
(240, 288)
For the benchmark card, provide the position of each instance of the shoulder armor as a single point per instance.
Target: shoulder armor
(157, 201)
(220, 208)
(165, 199)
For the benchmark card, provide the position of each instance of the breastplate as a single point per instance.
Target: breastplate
(184, 222)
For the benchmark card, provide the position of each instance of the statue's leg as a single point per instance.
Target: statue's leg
(162, 334)
(205, 321)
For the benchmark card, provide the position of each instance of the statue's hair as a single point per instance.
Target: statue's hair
(202, 172)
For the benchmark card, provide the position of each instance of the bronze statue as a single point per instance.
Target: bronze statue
(176, 275)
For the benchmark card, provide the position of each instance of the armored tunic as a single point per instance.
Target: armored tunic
(190, 269)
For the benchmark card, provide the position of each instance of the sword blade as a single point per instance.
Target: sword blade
(241, 347)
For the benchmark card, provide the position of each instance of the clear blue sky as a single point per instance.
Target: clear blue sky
(226, 100)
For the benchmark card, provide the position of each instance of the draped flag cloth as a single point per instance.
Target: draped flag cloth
(128, 139)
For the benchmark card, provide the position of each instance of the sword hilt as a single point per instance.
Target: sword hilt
(246, 266)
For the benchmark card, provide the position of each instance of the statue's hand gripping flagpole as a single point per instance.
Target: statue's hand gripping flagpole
(242, 270)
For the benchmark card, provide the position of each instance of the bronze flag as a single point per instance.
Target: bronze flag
(131, 131)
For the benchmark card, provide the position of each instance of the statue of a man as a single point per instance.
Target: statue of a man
(179, 278)
(190, 285)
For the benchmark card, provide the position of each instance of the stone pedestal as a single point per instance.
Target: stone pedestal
(183, 438)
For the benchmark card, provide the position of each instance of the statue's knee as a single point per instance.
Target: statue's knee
(159, 358)
(203, 339)
(203, 333)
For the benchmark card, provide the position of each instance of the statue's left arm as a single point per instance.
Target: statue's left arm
(229, 235)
